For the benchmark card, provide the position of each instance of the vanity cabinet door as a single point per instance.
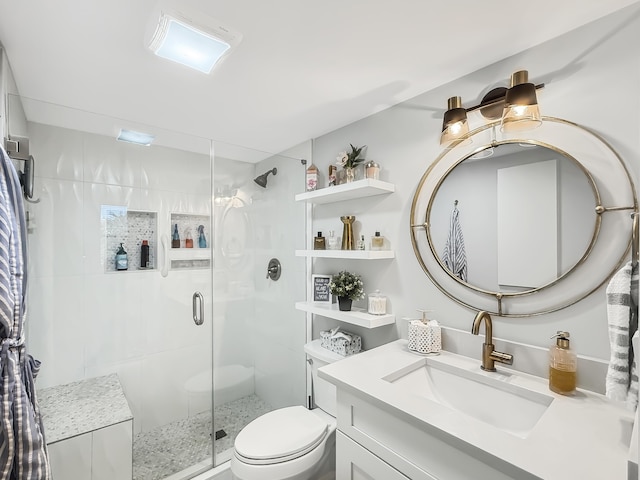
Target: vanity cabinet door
(354, 462)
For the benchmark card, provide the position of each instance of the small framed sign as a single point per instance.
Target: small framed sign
(320, 288)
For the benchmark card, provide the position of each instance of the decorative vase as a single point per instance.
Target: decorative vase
(350, 174)
(344, 304)
(348, 242)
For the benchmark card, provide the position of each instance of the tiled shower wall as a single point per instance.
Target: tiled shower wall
(83, 321)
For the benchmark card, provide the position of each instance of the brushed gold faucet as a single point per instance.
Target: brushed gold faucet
(489, 355)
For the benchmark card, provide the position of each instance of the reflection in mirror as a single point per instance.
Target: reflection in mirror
(526, 214)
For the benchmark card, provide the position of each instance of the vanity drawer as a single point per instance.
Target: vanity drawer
(420, 452)
(354, 462)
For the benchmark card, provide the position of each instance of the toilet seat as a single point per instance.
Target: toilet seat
(279, 436)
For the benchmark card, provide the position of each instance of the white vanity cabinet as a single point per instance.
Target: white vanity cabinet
(375, 443)
(340, 193)
(400, 415)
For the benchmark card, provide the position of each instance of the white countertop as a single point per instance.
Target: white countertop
(584, 436)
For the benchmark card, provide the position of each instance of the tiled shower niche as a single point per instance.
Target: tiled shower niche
(193, 257)
(129, 227)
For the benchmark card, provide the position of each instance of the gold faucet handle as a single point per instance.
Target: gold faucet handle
(502, 357)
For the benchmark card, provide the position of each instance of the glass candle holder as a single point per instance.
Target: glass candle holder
(372, 170)
(377, 303)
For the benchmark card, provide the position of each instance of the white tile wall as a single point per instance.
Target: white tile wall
(56, 328)
(111, 162)
(105, 454)
(112, 453)
(71, 459)
(84, 322)
(55, 242)
(58, 152)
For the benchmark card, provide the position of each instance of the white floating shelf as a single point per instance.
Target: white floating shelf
(356, 316)
(354, 254)
(189, 253)
(347, 191)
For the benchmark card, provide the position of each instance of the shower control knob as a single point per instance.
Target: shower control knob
(274, 269)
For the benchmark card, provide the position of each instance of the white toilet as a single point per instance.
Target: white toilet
(292, 443)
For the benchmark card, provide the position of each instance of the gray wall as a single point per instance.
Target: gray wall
(592, 75)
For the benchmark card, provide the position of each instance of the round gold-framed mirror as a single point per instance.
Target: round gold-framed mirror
(523, 225)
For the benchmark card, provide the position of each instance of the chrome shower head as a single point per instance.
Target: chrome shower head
(262, 179)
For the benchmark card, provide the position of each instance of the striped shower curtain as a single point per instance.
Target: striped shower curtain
(454, 256)
(23, 453)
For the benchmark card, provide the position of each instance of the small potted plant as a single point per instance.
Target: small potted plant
(350, 160)
(347, 287)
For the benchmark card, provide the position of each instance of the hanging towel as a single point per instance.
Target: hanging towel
(23, 452)
(454, 256)
(622, 315)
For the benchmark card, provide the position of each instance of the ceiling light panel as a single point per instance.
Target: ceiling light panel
(139, 138)
(198, 47)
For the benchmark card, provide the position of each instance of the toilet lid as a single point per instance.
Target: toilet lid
(280, 435)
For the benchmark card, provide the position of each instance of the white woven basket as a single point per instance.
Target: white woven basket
(424, 338)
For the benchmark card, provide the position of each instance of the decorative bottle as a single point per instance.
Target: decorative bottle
(144, 254)
(122, 261)
(175, 238)
(377, 242)
(332, 241)
(360, 245)
(312, 177)
(319, 242)
(333, 173)
(563, 365)
(188, 240)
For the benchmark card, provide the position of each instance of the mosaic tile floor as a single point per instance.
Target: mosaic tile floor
(179, 445)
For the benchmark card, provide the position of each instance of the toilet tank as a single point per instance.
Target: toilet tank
(324, 393)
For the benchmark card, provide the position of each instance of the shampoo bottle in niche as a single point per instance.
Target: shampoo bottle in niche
(175, 237)
(144, 255)
(563, 365)
(122, 261)
(202, 240)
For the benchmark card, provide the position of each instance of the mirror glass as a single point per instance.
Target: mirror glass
(525, 214)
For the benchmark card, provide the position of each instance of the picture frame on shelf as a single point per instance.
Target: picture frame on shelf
(320, 292)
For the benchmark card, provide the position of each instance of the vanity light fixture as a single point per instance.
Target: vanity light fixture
(138, 138)
(517, 106)
(521, 110)
(454, 122)
(181, 40)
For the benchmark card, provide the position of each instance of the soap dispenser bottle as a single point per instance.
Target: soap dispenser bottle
(122, 260)
(563, 365)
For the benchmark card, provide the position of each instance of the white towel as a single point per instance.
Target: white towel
(454, 256)
(622, 315)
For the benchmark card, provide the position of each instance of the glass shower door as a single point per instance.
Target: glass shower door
(89, 320)
(259, 361)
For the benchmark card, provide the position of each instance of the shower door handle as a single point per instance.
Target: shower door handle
(198, 308)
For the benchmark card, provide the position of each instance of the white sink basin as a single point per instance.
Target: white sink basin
(489, 397)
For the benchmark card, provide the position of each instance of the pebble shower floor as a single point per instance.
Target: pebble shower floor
(176, 446)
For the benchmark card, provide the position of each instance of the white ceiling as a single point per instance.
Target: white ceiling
(301, 70)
